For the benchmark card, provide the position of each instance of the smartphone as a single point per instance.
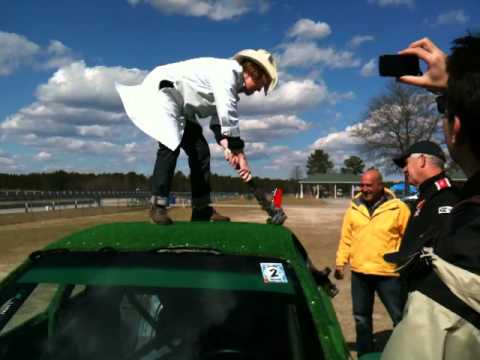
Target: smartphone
(398, 65)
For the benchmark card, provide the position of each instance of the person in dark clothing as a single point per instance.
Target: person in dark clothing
(423, 166)
(444, 309)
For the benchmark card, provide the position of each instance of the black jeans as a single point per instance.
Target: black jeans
(196, 147)
(391, 294)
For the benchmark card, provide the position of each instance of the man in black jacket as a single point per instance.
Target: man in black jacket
(423, 166)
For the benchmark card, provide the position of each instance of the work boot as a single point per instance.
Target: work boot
(159, 215)
(207, 213)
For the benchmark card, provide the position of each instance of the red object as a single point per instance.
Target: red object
(442, 184)
(277, 198)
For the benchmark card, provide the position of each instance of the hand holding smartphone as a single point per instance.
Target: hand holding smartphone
(398, 65)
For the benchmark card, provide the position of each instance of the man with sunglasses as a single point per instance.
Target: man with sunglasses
(166, 107)
(442, 315)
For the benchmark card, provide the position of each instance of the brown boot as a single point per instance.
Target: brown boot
(159, 215)
(207, 213)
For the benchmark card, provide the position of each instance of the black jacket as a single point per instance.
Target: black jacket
(436, 200)
(458, 244)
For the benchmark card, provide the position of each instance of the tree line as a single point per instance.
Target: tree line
(131, 181)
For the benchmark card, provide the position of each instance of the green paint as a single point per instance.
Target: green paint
(232, 238)
(151, 277)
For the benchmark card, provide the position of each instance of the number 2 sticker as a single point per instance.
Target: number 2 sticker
(273, 273)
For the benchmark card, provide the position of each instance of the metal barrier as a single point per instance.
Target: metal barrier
(33, 200)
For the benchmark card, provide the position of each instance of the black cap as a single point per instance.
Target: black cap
(421, 147)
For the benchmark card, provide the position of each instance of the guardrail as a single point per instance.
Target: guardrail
(32, 200)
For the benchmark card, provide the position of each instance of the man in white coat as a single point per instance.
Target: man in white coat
(166, 107)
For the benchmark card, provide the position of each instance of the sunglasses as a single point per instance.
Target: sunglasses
(441, 103)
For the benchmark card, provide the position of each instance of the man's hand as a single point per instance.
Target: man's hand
(436, 76)
(339, 274)
(243, 168)
(228, 154)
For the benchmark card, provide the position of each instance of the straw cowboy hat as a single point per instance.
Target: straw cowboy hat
(264, 59)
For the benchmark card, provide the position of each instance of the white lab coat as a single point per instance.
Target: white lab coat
(203, 87)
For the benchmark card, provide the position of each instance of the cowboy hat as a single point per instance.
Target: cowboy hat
(264, 59)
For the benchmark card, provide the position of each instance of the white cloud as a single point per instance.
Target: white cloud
(57, 55)
(369, 68)
(358, 40)
(453, 17)
(271, 127)
(77, 85)
(339, 145)
(212, 9)
(308, 53)
(78, 110)
(42, 119)
(290, 158)
(43, 156)
(15, 51)
(384, 3)
(309, 29)
(292, 96)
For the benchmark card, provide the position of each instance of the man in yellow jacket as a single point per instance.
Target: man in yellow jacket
(373, 225)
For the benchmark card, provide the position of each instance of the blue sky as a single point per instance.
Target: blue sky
(60, 59)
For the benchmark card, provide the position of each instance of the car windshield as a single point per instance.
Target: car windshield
(156, 306)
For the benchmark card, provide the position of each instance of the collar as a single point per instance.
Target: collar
(433, 185)
(371, 207)
(471, 187)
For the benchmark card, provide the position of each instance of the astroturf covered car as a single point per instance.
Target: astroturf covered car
(187, 291)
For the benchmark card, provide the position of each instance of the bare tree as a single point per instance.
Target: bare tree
(395, 120)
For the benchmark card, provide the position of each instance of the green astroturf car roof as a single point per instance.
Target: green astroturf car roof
(228, 237)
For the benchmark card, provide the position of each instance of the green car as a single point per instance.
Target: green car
(188, 291)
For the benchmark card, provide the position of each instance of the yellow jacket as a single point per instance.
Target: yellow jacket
(365, 239)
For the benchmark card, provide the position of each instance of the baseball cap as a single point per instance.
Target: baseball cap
(421, 147)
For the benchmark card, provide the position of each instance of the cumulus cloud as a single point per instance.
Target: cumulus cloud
(15, 51)
(272, 127)
(79, 112)
(292, 96)
(77, 85)
(358, 40)
(57, 55)
(309, 29)
(453, 17)
(291, 158)
(43, 156)
(339, 145)
(369, 68)
(43, 119)
(306, 53)
(213, 9)
(384, 3)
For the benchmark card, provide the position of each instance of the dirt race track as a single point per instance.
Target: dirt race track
(315, 222)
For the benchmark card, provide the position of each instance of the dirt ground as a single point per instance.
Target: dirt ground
(315, 222)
